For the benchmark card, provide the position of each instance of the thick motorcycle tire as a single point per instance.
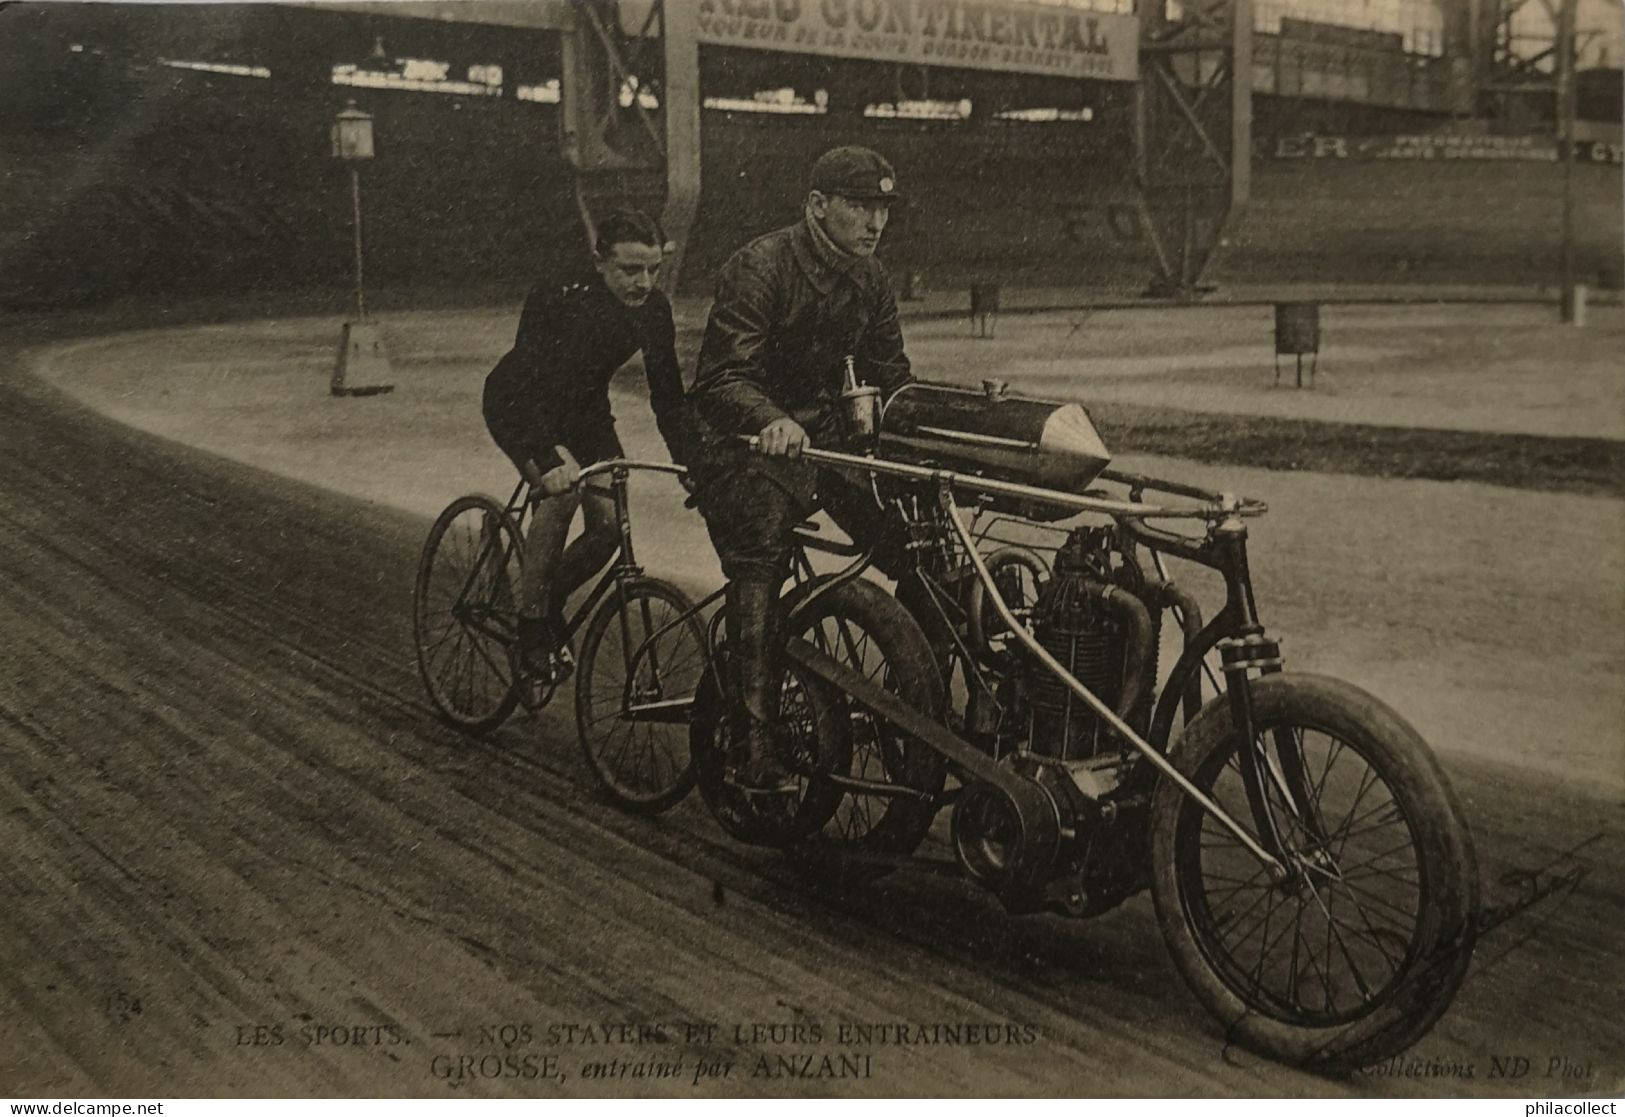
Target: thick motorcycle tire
(854, 845)
(777, 821)
(1413, 800)
(813, 826)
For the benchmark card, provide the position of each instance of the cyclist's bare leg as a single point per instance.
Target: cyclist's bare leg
(600, 538)
(544, 546)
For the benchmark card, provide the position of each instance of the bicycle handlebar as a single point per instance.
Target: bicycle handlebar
(614, 464)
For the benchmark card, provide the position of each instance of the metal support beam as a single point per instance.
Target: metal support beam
(1241, 105)
(1531, 49)
(680, 100)
(600, 133)
(614, 142)
(1193, 133)
(1464, 52)
(1567, 31)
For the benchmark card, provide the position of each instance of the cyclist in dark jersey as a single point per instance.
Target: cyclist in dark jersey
(547, 406)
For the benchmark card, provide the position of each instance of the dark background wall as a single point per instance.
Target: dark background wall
(120, 176)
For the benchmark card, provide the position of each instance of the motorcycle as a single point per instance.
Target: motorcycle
(1311, 871)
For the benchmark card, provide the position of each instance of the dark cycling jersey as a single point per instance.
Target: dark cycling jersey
(552, 388)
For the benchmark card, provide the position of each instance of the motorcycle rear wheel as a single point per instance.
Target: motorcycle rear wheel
(1361, 949)
(831, 830)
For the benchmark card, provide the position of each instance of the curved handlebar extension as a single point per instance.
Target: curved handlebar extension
(1213, 505)
(612, 465)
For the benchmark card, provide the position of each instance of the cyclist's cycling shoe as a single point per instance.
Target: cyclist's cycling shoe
(542, 652)
(561, 664)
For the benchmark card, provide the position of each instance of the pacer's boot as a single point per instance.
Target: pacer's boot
(753, 652)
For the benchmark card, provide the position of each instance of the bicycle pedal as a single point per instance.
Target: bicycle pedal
(561, 665)
(786, 787)
(534, 693)
(534, 688)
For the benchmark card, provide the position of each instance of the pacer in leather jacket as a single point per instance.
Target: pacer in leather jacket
(790, 308)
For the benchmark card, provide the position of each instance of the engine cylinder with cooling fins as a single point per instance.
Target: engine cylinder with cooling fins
(1073, 628)
(1104, 636)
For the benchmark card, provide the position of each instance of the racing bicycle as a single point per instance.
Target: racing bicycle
(641, 643)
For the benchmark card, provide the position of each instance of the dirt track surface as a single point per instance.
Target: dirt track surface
(227, 807)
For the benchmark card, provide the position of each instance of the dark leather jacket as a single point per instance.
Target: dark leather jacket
(789, 308)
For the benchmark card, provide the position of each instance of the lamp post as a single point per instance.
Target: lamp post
(362, 364)
(352, 142)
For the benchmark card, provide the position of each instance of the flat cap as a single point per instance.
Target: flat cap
(855, 172)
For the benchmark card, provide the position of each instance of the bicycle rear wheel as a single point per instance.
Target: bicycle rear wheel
(641, 663)
(463, 613)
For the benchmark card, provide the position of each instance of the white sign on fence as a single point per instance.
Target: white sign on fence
(1020, 35)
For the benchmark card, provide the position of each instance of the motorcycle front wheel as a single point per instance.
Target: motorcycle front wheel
(1355, 952)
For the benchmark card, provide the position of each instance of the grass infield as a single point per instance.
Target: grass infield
(1589, 466)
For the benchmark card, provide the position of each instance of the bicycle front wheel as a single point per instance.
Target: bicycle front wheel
(641, 663)
(463, 613)
(1359, 948)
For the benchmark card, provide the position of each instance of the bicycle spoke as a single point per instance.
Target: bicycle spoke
(1381, 902)
(1325, 980)
(1333, 933)
(1264, 944)
(1332, 756)
(1265, 896)
(1367, 781)
(1374, 936)
(452, 675)
(1292, 966)
(1388, 824)
(1398, 875)
(641, 648)
(1234, 884)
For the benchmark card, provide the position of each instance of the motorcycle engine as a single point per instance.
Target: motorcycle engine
(1091, 617)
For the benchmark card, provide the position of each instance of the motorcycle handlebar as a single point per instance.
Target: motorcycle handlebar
(1214, 505)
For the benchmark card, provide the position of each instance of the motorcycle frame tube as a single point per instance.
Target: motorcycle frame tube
(1105, 712)
(1226, 552)
(1216, 506)
(821, 586)
(1230, 534)
(1224, 549)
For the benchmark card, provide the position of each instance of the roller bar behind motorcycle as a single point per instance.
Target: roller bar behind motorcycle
(1042, 682)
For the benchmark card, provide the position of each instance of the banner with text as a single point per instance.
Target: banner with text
(1026, 36)
(1532, 149)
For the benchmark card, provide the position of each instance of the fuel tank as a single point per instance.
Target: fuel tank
(993, 433)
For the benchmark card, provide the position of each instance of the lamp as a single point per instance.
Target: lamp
(362, 368)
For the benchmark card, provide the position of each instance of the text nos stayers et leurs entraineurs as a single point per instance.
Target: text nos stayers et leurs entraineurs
(697, 1053)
